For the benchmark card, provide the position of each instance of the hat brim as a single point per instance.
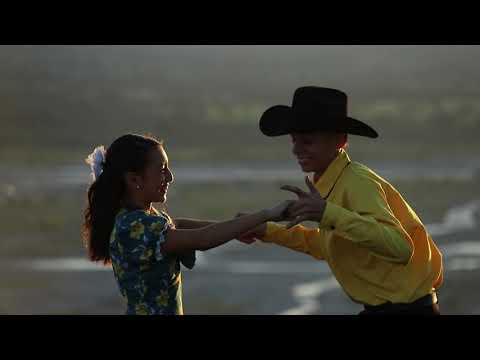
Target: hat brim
(282, 120)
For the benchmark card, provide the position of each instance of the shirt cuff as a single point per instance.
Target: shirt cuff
(272, 228)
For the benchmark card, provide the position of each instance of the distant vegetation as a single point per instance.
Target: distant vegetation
(56, 102)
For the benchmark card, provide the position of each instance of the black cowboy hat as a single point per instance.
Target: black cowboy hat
(313, 109)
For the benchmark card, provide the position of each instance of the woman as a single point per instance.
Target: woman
(145, 246)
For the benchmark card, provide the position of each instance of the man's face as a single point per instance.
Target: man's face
(315, 151)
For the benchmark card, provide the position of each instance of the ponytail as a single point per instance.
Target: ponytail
(106, 194)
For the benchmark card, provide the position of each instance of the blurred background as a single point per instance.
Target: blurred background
(58, 102)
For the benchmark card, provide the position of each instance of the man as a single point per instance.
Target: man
(376, 246)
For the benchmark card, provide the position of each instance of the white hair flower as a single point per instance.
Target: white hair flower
(96, 161)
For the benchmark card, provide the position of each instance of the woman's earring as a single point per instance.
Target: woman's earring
(137, 187)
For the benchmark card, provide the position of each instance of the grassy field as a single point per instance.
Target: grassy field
(57, 102)
(47, 224)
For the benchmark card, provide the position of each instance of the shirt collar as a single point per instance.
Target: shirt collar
(334, 170)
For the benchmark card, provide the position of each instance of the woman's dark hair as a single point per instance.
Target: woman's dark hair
(128, 153)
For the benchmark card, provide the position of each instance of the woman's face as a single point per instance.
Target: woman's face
(157, 176)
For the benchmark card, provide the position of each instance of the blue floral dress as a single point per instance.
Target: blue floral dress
(149, 281)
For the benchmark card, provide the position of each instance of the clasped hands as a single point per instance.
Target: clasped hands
(309, 206)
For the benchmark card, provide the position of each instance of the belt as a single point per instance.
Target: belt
(427, 300)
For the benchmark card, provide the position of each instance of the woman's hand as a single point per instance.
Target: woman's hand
(280, 211)
(251, 236)
(247, 238)
(276, 213)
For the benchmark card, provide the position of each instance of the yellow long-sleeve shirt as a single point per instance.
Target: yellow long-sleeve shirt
(375, 244)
